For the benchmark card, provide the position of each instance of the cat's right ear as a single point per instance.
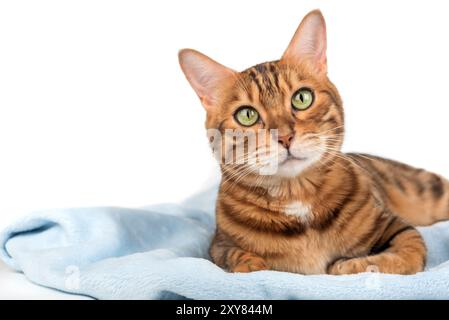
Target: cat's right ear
(309, 42)
(205, 75)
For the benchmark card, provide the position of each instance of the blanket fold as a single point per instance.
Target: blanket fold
(161, 252)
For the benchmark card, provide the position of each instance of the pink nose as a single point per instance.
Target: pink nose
(286, 140)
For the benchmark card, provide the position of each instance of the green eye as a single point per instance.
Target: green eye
(302, 99)
(246, 116)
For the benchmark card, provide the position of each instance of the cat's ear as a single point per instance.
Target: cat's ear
(205, 75)
(309, 42)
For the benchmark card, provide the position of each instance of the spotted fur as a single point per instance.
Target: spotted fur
(343, 213)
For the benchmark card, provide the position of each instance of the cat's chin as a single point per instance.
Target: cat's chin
(292, 167)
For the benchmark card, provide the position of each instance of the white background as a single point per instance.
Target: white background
(94, 109)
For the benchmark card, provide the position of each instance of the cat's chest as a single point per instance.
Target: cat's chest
(298, 209)
(308, 251)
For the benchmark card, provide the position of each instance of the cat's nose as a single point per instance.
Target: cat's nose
(286, 140)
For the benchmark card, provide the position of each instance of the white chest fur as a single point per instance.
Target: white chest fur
(298, 209)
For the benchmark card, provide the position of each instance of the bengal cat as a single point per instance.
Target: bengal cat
(321, 211)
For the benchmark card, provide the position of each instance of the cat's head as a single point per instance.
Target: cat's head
(293, 96)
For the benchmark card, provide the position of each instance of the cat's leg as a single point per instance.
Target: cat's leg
(403, 252)
(232, 258)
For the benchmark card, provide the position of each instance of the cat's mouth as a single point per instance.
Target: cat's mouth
(292, 158)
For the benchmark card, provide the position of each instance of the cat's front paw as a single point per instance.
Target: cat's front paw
(349, 266)
(250, 264)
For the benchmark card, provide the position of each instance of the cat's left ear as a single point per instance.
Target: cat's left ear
(309, 42)
(206, 76)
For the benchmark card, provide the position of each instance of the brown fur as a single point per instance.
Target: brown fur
(363, 209)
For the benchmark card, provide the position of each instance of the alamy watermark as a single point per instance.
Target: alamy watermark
(373, 281)
(258, 149)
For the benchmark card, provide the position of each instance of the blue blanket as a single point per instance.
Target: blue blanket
(160, 252)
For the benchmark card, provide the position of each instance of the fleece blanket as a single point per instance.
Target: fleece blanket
(160, 252)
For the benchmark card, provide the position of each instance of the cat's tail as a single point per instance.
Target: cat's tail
(418, 196)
